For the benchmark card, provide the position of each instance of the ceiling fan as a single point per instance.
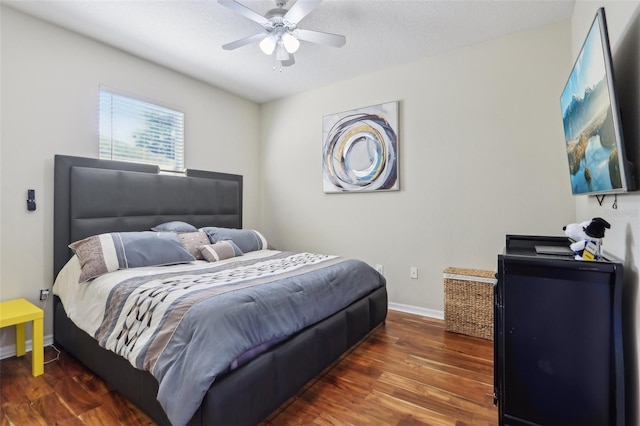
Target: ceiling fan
(281, 33)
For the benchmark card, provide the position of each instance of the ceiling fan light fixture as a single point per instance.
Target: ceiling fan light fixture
(290, 43)
(282, 38)
(268, 44)
(281, 51)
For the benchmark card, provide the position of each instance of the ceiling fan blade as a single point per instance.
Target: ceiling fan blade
(289, 61)
(319, 37)
(300, 9)
(244, 11)
(244, 41)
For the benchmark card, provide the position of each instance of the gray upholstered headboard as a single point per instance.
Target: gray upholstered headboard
(96, 196)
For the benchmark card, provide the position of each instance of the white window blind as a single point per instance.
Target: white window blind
(134, 130)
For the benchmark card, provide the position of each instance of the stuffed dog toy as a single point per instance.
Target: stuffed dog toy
(587, 238)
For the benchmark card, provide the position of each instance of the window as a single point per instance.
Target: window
(134, 130)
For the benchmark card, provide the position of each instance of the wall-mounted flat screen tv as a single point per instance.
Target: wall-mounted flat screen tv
(592, 127)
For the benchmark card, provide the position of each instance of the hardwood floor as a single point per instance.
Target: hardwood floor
(409, 371)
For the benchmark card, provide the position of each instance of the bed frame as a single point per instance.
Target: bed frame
(97, 196)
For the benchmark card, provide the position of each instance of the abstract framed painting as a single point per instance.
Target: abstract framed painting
(360, 150)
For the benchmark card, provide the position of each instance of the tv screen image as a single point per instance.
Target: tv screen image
(592, 129)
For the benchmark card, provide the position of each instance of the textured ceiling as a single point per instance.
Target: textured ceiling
(187, 35)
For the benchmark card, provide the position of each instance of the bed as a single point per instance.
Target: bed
(96, 197)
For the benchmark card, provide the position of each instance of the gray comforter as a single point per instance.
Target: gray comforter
(186, 329)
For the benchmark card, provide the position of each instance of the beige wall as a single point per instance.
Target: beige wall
(50, 82)
(481, 155)
(623, 239)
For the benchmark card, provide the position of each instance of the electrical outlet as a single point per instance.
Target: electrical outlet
(44, 294)
(380, 269)
(413, 272)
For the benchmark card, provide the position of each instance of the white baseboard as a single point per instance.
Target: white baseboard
(9, 351)
(409, 309)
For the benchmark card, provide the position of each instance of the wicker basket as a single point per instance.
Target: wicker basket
(468, 301)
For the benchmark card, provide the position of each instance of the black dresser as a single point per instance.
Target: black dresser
(558, 356)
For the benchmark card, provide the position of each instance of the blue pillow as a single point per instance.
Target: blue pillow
(175, 226)
(246, 239)
(104, 253)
